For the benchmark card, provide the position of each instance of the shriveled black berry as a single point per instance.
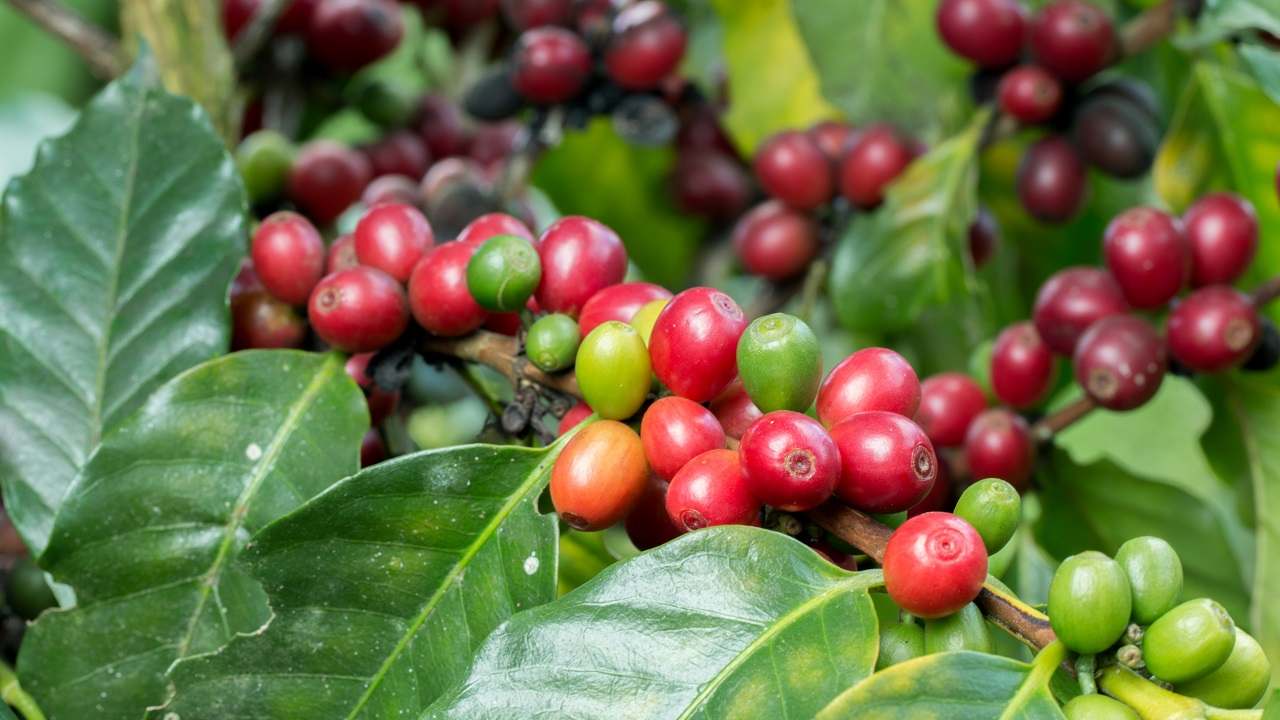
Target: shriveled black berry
(493, 97)
(1267, 355)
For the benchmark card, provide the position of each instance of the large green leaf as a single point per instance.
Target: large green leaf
(383, 587)
(115, 255)
(730, 622)
(150, 530)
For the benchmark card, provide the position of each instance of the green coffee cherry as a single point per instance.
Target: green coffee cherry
(552, 342)
(1089, 602)
(613, 370)
(27, 591)
(963, 630)
(899, 643)
(780, 363)
(264, 160)
(644, 319)
(1097, 707)
(1189, 642)
(1240, 682)
(503, 273)
(993, 507)
(1155, 576)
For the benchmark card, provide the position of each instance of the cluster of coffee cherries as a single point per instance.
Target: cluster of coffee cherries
(1038, 70)
(343, 36)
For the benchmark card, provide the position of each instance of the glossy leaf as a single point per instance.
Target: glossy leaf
(383, 587)
(1220, 19)
(730, 622)
(115, 254)
(150, 530)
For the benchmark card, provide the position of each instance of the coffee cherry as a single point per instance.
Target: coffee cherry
(887, 462)
(26, 591)
(1238, 683)
(1154, 571)
(393, 238)
(993, 507)
(647, 45)
(438, 293)
(551, 65)
(1116, 136)
(527, 14)
(346, 35)
(833, 137)
(734, 409)
(1222, 230)
(695, 341)
(775, 242)
(792, 168)
(288, 255)
(503, 273)
(780, 363)
(1213, 329)
(264, 159)
(877, 158)
(948, 403)
(710, 490)
(646, 317)
(1089, 602)
(899, 642)
(1022, 366)
(1072, 300)
(260, 322)
(373, 449)
(400, 153)
(965, 629)
(1030, 94)
(613, 370)
(700, 130)
(552, 342)
(1097, 707)
(579, 257)
(984, 237)
(492, 225)
(1051, 180)
(579, 412)
(619, 302)
(1267, 354)
(934, 565)
(327, 178)
(789, 461)
(988, 32)
(390, 189)
(236, 14)
(358, 310)
(599, 476)
(443, 127)
(1120, 362)
(495, 142)
(711, 184)
(1073, 39)
(1189, 642)
(1148, 256)
(674, 431)
(341, 255)
(648, 524)
(869, 379)
(998, 445)
(381, 402)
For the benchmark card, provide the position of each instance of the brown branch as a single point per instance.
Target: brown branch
(502, 353)
(98, 47)
(1054, 423)
(1148, 28)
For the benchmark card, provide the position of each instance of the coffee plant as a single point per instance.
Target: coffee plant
(655, 359)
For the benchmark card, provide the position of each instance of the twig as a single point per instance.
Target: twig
(255, 35)
(1148, 28)
(1054, 423)
(98, 47)
(501, 353)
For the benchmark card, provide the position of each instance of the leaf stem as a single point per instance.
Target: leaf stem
(1086, 666)
(17, 698)
(99, 48)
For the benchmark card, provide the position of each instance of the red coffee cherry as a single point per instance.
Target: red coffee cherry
(711, 490)
(393, 238)
(775, 242)
(674, 431)
(346, 35)
(694, 344)
(381, 402)
(443, 127)
(646, 47)
(988, 32)
(491, 225)
(599, 476)
(833, 137)
(877, 158)
(341, 255)
(1222, 230)
(869, 379)
(1073, 39)
(934, 565)
(700, 130)
(527, 14)
(948, 403)
(373, 449)
(358, 310)
(288, 256)
(999, 445)
(551, 65)
(789, 460)
(648, 525)
(1213, 329)
(1051, 180)
(1072, 300)
(792, 168)
(400, 153)
(711, 184)
(494, 142)
(438, 293)
(984, 237)
(579, 257)
(327, 178)
(1030, 94)
(1148, 256)
(1120, 362)
(887, 462)
(579, 412)
(390, 189)
(1022, 366)
(734, 410)
(618, 302)
(261, 322)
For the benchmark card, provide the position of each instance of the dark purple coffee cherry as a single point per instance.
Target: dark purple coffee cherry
(1052, 180)
(1120, 362)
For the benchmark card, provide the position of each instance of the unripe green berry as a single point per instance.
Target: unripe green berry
(993, 507)
(963, 630)
(899, 643)
(780, 363)
(1155, 576)
(613, 370)
(1189, 642)
(1089, 602)
(645, 318)
(503, 273)
(552, 342)
(1097, 707)
(264, 160)
(27, 591)
(1240, 682)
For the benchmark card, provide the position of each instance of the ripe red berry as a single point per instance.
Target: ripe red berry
(735, 410)
(1051, 180)
(599, 476)
(887, 462)
(833, 137)
(1213, 329)
(341, 255)
(438, 293)
(877, 158)
(1022, 366)
(1030, 94)
(711, 490)
(934, 565)
(358, 310)
(1073, 39)
(792, 168)
(1072, 300)
(236, 14)
(1120, 362)
(390, 189)
(400, 153)
(327, 178)
(674, 431)
(346, 35)
(381, 402)
(1148, 256)
(988, 32)
(694, 344)
(700, 130)
(492, 225)
(260, 322)
(647, 45)
(711, 184)
(869, 379)
(393, 238)
(775, 242)
(551, 65)
(373, 449)
(618, 302)
(998, 445)
(1222, 230)
(579, 412)
(789, 460)
(288, 256)
(648, 525)
(526, 14)
(579, 257)
(948, 403)
(443, 127)
(984, 237)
